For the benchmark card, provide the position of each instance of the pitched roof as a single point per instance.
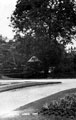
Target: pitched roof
(33, 59)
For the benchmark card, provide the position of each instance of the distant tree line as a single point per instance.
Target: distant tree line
(14, 56)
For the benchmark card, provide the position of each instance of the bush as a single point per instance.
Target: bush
(63, 107)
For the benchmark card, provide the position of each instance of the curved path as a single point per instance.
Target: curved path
(11, 100)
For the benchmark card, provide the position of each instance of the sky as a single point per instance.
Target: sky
(6, 9)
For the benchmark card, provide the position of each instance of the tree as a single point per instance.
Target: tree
(47, 26)
(51, 17)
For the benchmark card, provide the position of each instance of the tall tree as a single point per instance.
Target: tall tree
(44, 24)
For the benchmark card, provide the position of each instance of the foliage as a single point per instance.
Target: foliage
(63, 107)
(54, 18)
(74, 60)
(46, 27)
(43, 28)
(66, 67)
(14, 57)
(49, 54)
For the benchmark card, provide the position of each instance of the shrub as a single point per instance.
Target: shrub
(63, 107)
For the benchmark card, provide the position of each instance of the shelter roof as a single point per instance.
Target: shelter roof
(34, 59)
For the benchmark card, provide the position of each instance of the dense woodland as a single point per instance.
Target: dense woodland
(42, 28)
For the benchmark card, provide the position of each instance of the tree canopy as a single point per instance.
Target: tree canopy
(51, 17)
